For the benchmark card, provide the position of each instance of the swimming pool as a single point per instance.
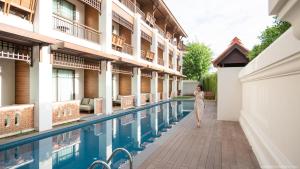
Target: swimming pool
(77, 149)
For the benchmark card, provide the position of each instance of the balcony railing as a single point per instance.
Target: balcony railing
(25, 8)
(127, 49)
(117, 42)
(150, 19)
(65, 112)
(160, 30)
(169, 36)
(141, 13)
(75, 29)
(129, 4)
(160, 61)
(148, 55)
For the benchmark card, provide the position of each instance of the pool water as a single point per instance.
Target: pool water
(77, 149)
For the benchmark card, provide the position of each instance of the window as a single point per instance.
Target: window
(64, 9)
(63, 85)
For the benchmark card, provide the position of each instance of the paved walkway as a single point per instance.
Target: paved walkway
(216, 145)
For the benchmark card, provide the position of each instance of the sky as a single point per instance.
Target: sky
(217, 22)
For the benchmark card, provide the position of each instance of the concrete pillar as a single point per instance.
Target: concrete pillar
(154, 45)
(136, 37)
(166, 85)
(154, 120)
(154, 85)
(166, 54)
(105, 86)
(105, 140)
(174, 111)
(166, 110)
(106, 25)
(136, 85)
(174, 86)
(136, 130)
(181, 86)
(174, 60)
(43, 17)
(43, 153)
(41, 87)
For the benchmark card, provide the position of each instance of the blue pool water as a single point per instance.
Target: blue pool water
(77, 149)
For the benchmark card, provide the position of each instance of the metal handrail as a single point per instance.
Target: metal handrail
(125, 151)
(98, 162)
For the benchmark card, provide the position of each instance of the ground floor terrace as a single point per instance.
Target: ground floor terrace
(43, 86)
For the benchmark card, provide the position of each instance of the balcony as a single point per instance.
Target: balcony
(160, 30)
(23, 8)
(150, 20)
(118, 43)
(148, 55)
(169, 36)
(75, 29)
(160, 61)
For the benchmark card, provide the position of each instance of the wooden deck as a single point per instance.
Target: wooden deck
(216, 145)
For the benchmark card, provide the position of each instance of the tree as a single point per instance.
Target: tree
(268, 36)
(196, 61)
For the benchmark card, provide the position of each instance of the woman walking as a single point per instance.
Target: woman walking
(199, 104)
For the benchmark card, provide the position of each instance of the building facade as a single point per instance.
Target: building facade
(59, 58)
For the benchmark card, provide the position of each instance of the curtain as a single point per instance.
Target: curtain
(63, 85)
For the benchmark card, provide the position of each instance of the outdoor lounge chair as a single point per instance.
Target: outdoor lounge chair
(87, 105)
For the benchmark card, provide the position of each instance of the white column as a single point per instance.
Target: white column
(154, 120)
(43, 17)
(105, 140)
(136, 85)
(174, 86)
(174, 60)
(166, 85)
(136, 130)
(105, 86)
(154, 85)
(136, 37)
(166, 54)
(166, 118)
(106, 25)
(44, 153)
(41, 87)
(154, 45)
(174, 110)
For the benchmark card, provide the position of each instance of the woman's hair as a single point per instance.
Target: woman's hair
(201, 87)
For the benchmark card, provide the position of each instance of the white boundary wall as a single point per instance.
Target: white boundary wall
(270, 112)
(229, 93)
(188, 87)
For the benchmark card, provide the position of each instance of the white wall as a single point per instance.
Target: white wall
(79, 84)
(7, 82)
(229, 93)
(188, 87)
(270, 110)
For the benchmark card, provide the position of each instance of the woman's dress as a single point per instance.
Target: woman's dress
(199, 104)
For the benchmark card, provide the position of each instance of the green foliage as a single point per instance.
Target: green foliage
(196, 61)
(209, 82)
(268, 36)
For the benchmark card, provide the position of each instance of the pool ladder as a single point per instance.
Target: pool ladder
(106, 164)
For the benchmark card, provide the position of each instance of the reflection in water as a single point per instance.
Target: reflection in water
(77, 149)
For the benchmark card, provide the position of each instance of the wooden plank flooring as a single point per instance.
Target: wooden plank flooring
(216, 145)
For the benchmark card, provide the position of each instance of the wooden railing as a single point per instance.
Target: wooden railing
(98, 104)
(129, 4)
(127, 49)
(160, 30)
(65, 112)
(93, 3)
(148, 55)
(16, 119)
(169, 36)
(139, 11)
(150, 19)
(127, 101)
(75, 29)
(160, 61)
(25, 8)
(118, 42)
